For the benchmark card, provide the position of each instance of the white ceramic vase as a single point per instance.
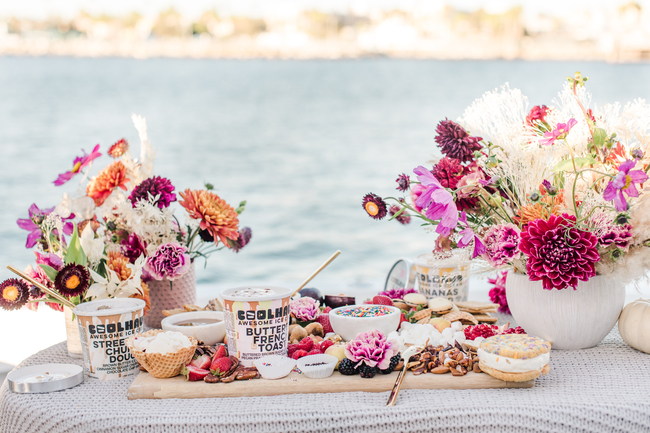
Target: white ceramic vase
(72, 333)
(570, 319)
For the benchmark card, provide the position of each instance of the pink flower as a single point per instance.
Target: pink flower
(467, 235)
(498, 292)
(397, 293)
(624, 183)
(537, 114)
(33, 224)
(416, 192)
(169, 261)
(305, 309)
(559, 254)
(502, 244)
(560, 131)
(438, 202)
(78, 163)
(49, 259)
(371, 348)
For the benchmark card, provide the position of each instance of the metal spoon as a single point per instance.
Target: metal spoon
(398, 383)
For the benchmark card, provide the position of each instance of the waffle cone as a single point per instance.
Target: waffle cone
(162, 365)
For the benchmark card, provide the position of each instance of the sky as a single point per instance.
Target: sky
(69, 8)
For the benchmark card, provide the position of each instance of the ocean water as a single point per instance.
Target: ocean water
(301, 141)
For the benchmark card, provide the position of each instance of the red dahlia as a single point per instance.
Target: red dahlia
(455, 142)
(448, 171)
(559, 254)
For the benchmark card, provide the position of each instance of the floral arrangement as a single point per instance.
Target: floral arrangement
(558, 192)
(123, 231)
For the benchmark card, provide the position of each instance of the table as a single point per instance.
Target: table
(605, 388)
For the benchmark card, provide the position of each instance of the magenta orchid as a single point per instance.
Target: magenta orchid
(438, 202)
(78, 163)
(467, 234)
(33, 224)
(624, 182)
(560, 131)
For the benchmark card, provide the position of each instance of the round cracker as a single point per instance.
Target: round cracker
(514, 377)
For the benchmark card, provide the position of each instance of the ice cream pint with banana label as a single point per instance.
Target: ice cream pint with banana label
(257, 321)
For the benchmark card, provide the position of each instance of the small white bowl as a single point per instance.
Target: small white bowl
(273, 367)
(318, 371)
(209, 334)
(349, 327)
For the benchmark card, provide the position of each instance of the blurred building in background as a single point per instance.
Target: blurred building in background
(607, 32)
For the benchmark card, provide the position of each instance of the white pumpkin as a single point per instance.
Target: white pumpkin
(634, 324)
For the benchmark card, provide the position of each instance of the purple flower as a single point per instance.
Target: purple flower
(560, 131)
(403, 218)
(637, 153)
(498, 292)
(371, 348)
(397, 293)
(245, 235)
(549, 188)
(78, 163)
(624, 183)
(610, 233)
(502, 244)
(304, 309)
(438, 202)
(467, 234)
(33, 224)
(170, 261)
(455, 142)
(403, 182)
(154, 186)
(133, 247)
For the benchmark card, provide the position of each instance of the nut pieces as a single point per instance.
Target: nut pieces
(441, 360)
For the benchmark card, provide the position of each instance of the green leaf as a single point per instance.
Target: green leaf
(75, 253)
(398, 213)
(599, 137)
(241, 208)
(49, 271)
(567, 164)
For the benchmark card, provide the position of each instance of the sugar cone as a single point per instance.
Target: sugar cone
(162, 365)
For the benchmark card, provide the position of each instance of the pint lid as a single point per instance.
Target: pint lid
(45, 378)
(256, 293)
(108, 307)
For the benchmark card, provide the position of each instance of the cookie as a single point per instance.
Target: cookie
(478, 307)
(461, 316)
(514, 377)
(439, 305)
(423, 314)
(485, 318)
(516, 346)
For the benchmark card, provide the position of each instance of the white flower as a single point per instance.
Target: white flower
(64, 208)
(113, 287)
(83, 207)
(93, 248)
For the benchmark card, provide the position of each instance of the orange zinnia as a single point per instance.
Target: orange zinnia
(540, 210)
(217, 216)
(102, 185)
(117, 262)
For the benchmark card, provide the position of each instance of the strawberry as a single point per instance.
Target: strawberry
(202, 362)
(325, 345)
(306, 344)
(314, 351)
(324, 320)
(299, 354)
(382, 300)
(221, 352)
(193, 373)
(220, 366)
(402, 319)
(217, 356)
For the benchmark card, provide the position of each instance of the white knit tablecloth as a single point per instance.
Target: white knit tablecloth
(603, 389)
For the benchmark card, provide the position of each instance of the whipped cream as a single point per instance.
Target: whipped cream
(164, 342)
(512, 365)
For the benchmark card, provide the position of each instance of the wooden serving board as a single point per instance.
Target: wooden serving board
(147, 386)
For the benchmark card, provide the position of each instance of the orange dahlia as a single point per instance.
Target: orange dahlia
(217, 216)
(144, 296)
(102, 185)
(117, 262)
(540, 210)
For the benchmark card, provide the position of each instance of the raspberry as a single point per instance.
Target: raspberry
(299, 354)
(314, 351)
(517, 330)
(291, 349)
(393, 363)
(325, 345)
(382, 300)
(482, 330)
(346, 367)
(306, 344)
(324, 320)
(367, 372)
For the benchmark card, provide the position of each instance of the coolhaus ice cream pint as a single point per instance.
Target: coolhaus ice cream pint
(104, 327)
(257, 321)
(447, 278)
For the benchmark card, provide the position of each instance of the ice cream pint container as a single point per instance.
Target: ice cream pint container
(446, 278)
(257, 321)
(104, 327)
(400, 276)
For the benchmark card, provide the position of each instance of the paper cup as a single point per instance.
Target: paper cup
(325, 369)
(257, 321)
(273, 367)
(104, 327)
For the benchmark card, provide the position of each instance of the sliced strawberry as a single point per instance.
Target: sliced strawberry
(216, 358)
(193, 373)
(382, 300)
(220, 366)
(221, 352)
(402, 319)
(202, 362)
(299, 354)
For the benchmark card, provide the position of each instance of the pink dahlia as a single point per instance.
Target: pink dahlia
(371, 348)
(502, 244)
(397, 293)
(169, 261)
(537, 114)
(305, 309)
(403, 218)
(154, 187)
(498, 292)
(559, 254)
(455, 142)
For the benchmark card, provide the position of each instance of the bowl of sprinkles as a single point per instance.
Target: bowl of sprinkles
(350, 320)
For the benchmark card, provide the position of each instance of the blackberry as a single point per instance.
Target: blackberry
(367, 372)
(393, 363)
(346, 367)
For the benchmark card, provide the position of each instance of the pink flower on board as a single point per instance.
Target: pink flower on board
(78, 163)
(371, 348)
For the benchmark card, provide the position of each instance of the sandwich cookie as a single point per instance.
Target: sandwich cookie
(514, 357)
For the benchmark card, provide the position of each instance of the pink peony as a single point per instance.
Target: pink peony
(498, 292)
(559, 254)
(397, 293)
(371, 348)
(305, 309)
(501, 244)
(170, 261)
